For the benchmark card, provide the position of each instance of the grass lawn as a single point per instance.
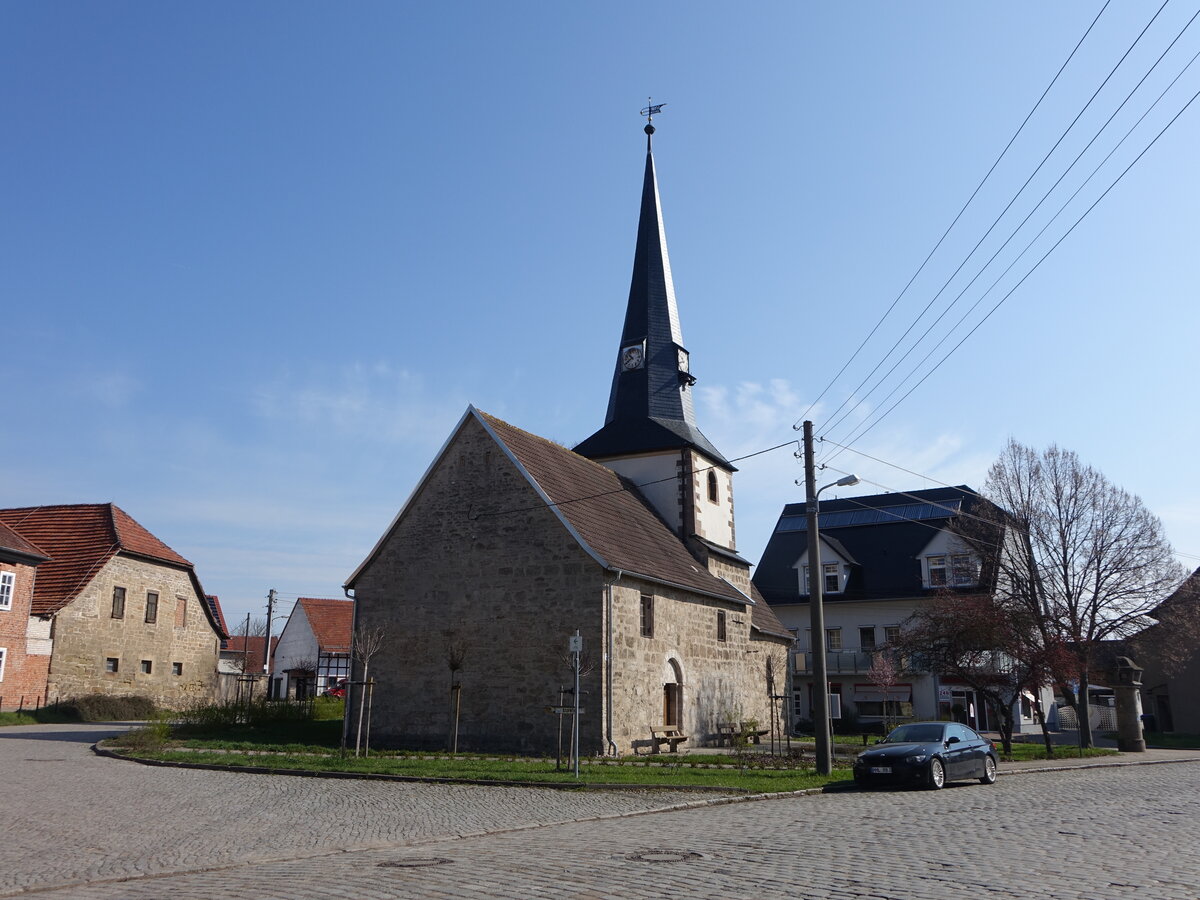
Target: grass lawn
(679, 773)
(46, 716)
(1172, 741)
(313, 746)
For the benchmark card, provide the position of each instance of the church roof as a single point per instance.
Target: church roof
(650, 404)
(606, 513)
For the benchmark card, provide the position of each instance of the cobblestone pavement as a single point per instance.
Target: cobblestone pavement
(77, 826)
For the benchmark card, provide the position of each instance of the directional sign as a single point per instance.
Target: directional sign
(564, 710)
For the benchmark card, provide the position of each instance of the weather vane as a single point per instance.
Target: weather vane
(651, 110)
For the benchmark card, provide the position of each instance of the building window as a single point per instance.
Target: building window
(937, 571)
(866, 638)
(833, 638)
(3, 656)
(7, 580)
(713, 495)
(118, 607)
(964, 569)
(147, 667)
(180, 612)
(151, 607)
(891, 634)
(176, 668)
(647, 616)
(112, 664)
(721, 634)
(833, 579)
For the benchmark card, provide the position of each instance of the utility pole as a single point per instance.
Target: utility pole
(816, 578)
(267, 640)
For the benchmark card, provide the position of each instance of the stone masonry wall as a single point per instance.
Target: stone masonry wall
(478, 564)
(86, 635)
(723, 681)
(23, 681)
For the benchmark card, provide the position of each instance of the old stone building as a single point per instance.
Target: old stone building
(114, 610)
(510, 544)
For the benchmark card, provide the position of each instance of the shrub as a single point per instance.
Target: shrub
(150, 736)
(103, 708)
(257, 712)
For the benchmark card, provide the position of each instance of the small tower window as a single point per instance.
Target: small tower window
(721, 633)
(713, 495)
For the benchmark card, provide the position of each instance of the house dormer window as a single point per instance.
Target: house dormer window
(955, 570)
(713, 496)
(833, 579)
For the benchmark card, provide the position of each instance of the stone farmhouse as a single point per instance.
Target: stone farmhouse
(511, 544)
(112, 610)
(882, 557)
(312, 652)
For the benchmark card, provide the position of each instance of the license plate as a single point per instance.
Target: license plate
(881, 770)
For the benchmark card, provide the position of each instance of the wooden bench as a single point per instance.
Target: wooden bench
(728, 731)
(667, 734)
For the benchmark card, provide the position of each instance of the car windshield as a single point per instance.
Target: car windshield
(916, 734)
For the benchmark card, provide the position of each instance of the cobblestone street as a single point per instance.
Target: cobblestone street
(79, 826)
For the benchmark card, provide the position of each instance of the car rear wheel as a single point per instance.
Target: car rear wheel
(989, 771)
(937, 775)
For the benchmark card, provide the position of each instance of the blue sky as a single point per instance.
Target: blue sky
(257, 258)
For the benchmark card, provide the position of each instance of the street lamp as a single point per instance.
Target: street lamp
(816, 578)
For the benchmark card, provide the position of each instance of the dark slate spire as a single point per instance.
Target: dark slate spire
(650, 405)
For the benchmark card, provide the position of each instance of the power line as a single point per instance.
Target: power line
(950, 227)
(862, 399)
(1000, 302)
(623, 488)
(1003, 212)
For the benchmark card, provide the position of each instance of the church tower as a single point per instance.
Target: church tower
(650, 434)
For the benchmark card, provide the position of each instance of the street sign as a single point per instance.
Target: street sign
(564, 710)
(576, 644)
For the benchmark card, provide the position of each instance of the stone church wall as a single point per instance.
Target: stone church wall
(722, 681)
(86, 636)
(479, 567)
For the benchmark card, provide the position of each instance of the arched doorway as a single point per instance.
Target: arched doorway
(673, 694)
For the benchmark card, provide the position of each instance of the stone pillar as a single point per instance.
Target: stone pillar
(1127, 683)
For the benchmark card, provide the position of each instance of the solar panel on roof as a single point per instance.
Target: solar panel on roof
(845, 518)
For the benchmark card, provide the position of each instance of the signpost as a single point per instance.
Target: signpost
(576, 647)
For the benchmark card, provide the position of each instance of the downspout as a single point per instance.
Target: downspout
(349, 592)
(608, 668)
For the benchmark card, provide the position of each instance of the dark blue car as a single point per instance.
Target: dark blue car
(928, 754)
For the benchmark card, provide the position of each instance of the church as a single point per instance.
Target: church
(510, 544)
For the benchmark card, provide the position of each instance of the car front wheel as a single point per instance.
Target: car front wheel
(989, 771)
(937, 775)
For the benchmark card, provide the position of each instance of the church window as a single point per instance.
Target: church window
(151, 607)
(118, 607)
(721, 633)
(647, 616)
(713, 495)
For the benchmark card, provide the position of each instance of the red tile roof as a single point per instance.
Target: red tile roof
(332, 621)
(253, 647)
(80, 539)
(608, 514)
(10, 540)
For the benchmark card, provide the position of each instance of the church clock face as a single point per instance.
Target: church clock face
(632, 357)
(682, 356)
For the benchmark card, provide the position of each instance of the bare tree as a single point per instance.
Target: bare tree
(1083, 559)
(988, 645)
(364, 646)
(456, 656)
